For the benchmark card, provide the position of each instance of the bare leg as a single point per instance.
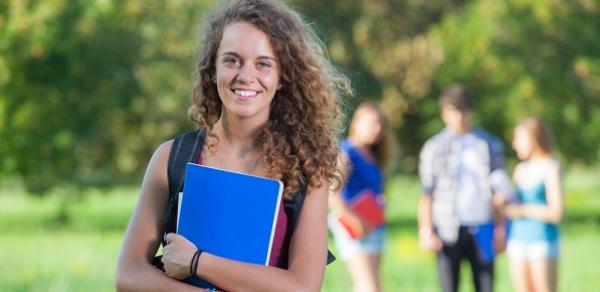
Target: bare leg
(544, 274)
(362, 273)
(375, 262)
(521, 278)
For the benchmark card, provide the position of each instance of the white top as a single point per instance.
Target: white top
(531, 172)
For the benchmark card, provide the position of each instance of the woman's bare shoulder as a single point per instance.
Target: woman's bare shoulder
(163, 150)
(156, 173)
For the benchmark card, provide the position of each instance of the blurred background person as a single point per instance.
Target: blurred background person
(533, 245)
(357, 220)
(464, 189)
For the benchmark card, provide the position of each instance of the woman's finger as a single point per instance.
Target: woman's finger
(170, 237)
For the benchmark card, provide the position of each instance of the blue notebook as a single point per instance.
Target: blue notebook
(229, 214)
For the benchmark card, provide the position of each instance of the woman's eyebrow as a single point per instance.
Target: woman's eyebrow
(262, 57)
(231, 53)
(267, 57)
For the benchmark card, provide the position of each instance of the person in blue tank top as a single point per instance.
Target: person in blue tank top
(533, 239)
(364, 155)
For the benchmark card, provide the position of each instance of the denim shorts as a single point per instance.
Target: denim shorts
(348, 247)
(532, 250)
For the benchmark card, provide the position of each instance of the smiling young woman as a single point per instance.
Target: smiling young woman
(247, 76)
(266, 102)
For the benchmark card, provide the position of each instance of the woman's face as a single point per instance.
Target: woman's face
(522, 143)
(247, 72)
(367, 127)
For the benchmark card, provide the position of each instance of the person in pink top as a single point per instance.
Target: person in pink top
(267, 98)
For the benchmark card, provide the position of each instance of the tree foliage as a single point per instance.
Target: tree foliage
(525, 58)
(88, 89)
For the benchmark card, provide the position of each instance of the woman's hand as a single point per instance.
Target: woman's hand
(177, 256)
(356, 227)
(514, 211)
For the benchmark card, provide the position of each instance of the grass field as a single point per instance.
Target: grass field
(61, 243)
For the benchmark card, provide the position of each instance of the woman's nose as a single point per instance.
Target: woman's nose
(245, 75)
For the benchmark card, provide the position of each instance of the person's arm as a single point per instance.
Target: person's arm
(341, 208)
(339, 205)
(134, 270)
(499, 205)
(502, 192)
(511, 206)
(307, 257)
(428, 240)
(552, 211)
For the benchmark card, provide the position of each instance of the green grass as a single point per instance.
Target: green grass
(62, 243)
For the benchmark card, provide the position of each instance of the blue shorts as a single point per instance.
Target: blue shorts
(532, 250)
(348, 247)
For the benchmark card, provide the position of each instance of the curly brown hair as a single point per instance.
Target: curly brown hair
(300, 140)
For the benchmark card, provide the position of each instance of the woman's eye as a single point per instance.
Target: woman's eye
(264, 64)
(231, 61)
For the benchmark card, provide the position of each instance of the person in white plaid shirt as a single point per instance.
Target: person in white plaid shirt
(465, 187)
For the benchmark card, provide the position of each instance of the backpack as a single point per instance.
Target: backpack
(186, 148)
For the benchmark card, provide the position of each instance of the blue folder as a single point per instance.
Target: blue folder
(229, 214)
(484, 240)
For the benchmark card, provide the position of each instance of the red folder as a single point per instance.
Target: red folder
(365, 205)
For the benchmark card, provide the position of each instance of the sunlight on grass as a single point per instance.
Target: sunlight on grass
(79, 251)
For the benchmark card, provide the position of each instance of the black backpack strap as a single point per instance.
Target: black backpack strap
(293, 209)
(186, 148)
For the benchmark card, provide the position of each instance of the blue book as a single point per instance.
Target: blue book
(229, 214)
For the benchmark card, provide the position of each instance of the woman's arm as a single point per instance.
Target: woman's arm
(307, 257)
(134, 269)
(513, 208)
(343, 210)
(337, 203)
(552, 211)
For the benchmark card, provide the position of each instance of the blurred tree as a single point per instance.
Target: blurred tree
(385, 48)
(518, 57)
(88, 89)
(524, 58)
